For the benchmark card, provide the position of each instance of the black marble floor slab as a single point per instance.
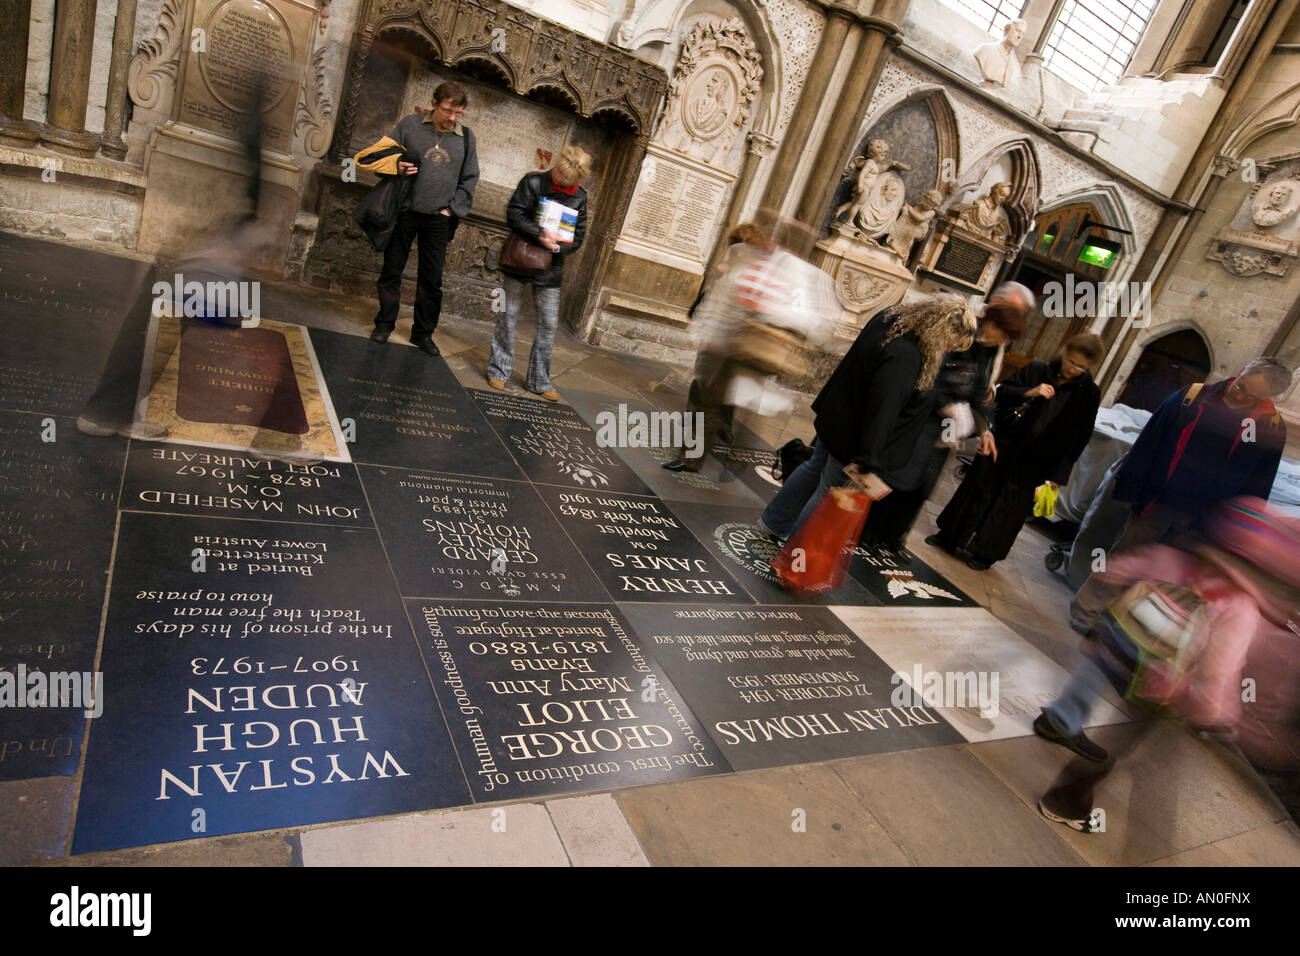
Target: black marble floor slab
(57, 514)
(753, 466)
(778, 685)
(467, 537)
(554, 446)
(639, 549)
(732, 537)
(280, 687)
(900, 583)
(63, 309)
(190, 479)
(646, 452)
(547, 699)
(406, 408)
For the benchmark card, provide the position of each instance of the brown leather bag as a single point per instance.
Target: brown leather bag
(768, 349)
(521, 256)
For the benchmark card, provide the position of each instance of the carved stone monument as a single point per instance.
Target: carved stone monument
(215, 71)
(1264, 236)
(684, 179)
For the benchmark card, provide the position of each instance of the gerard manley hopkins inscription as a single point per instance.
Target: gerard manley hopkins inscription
(461, 536)
(546, 698)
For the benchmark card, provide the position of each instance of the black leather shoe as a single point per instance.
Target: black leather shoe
(380, 335)
(1078, 743)
(426, 346)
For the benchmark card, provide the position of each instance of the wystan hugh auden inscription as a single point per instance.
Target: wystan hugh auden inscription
(266, 691)
(639, 550)
(545, 698)
(188, 479)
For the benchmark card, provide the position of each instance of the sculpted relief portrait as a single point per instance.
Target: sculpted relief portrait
(710, 102)
(1275, 203)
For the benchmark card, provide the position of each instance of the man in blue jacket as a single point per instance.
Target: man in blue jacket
(1203, 446)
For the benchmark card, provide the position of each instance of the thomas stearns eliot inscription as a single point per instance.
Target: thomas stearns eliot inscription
(554, 698)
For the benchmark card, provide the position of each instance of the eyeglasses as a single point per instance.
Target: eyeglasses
(1236, 388)
(456, 112)
(1066, 360)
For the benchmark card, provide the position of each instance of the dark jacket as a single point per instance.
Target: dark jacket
(869, 411)
(521, 216)
(378, 210)
(1041, 439)
(1215, 463)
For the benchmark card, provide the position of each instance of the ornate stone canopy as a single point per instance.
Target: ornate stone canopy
(530, 53)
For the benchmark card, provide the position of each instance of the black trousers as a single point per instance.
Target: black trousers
(892, 517)
(433, 231)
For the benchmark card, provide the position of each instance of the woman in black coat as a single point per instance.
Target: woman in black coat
(560, 185)
(1045, 417)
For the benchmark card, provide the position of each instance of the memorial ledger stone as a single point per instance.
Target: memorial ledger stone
(904, 584)
(56, 536)
(555, 698)
(189, 479)
(639, 550)
(780, 685)
(554, 446)
(406, 410)
(277, 684)
(466, 537)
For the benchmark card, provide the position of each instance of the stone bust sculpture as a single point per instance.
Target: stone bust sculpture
(986, 217)
(997, 61)
(912, 224)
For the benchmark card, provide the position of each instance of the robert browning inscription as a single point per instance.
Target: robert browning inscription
(555, 698)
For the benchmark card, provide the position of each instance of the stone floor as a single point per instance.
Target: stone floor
(1176, 801)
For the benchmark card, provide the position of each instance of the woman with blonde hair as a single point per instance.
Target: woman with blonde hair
(874, 406)
(559, 185)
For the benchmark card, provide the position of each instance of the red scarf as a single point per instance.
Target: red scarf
(557, 188)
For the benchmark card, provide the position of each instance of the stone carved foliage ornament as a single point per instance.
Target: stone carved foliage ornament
(152, 74)
(717, 78)
(315, 110)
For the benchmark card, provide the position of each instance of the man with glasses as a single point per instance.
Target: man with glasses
(440, 152)
(1203, 446)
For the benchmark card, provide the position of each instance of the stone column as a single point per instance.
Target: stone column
(842, 131)
(13, 71)
(795, 140)
(115, 107)
(74, 40)
(760, 146)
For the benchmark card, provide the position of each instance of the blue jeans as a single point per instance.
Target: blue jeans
(1069, 712)
(803, 491)
(503, 340)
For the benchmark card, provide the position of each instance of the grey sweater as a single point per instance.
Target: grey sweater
(448, 184)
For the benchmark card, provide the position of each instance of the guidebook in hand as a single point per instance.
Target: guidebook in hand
(557, 218)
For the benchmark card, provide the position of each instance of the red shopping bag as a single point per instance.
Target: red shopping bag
(816, 558)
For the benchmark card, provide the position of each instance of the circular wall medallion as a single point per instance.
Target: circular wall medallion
(247, 42)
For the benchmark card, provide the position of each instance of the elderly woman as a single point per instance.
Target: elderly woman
(1045, 416)
(560, 185)
(871, 411)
